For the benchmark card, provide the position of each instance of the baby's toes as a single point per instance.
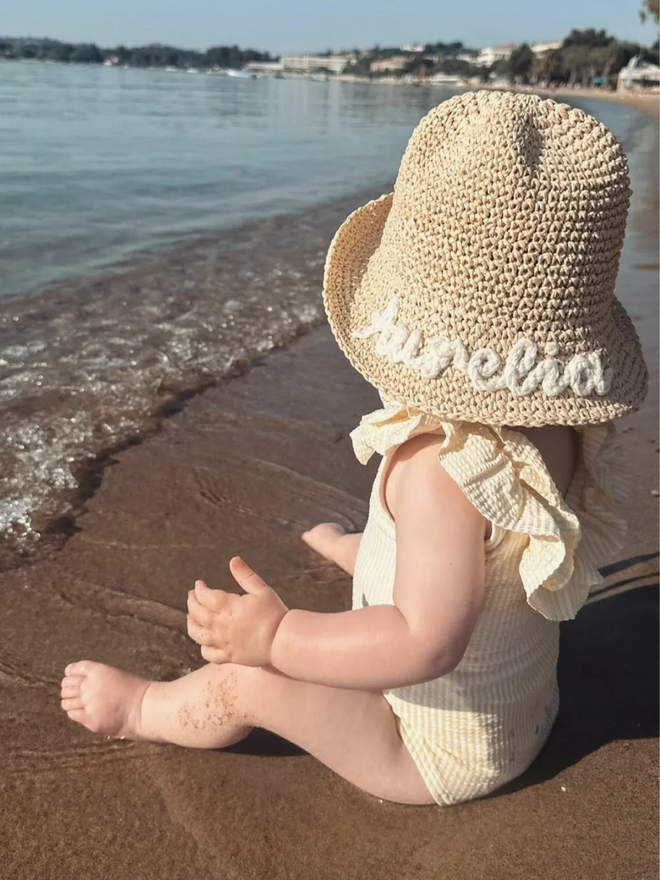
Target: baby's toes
(71, 686)
(71, 704)
(81, 667)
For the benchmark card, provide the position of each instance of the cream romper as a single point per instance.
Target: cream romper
(483, 724)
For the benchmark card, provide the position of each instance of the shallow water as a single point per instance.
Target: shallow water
(185, 179)
(98, 162)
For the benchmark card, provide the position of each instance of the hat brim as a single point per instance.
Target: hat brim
(353, 246)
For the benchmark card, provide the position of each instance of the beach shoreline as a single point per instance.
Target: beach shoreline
(647, 102)
(642, 99)
(246, 466)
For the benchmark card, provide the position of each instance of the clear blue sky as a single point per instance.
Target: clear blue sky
(310, 26)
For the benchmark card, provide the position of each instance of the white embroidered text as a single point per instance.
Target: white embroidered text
(523, 372)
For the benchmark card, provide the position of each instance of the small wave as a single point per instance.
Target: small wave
(88, 366)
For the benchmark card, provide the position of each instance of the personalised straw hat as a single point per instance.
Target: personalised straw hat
(482, 288)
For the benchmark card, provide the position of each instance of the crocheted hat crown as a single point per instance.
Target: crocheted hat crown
(482, 289)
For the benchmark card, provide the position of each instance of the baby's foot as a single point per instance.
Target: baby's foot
(103, 699)
(323, 538)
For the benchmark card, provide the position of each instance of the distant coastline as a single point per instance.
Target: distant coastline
(586, 58)
(155, 55)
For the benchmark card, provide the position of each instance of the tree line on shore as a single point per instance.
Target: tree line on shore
(585, 58)
(155, 55)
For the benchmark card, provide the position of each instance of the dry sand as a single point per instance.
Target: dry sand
(245, 467)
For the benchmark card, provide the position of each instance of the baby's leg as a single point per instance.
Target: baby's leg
(352, 732)
(333, 542)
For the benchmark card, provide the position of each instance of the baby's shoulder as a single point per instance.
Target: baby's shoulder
(414, 470)
(415, 459)
(421, 449)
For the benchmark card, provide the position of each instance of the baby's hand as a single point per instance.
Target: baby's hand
(231, 628)
(324, 538)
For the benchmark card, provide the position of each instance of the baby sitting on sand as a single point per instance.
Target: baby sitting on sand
(478, 299)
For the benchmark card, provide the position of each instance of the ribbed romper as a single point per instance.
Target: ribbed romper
(483, 724)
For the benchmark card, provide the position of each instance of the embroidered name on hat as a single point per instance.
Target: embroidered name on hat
(523, 372)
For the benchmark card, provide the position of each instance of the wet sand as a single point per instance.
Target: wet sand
(646, 101)
(246, 467)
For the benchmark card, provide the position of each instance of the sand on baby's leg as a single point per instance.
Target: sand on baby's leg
(195, 711)
(352, 732)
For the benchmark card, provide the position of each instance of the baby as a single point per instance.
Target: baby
(478, 299)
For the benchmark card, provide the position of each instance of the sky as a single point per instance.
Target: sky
(296, 26)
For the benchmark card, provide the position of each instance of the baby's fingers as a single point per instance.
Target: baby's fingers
(213, 599)
(248, 579)
(198, 634)
(201, 615)
(215, 655)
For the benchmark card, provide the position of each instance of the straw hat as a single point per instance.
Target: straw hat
(482, 289)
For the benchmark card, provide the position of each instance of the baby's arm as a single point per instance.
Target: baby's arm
(332, 541)
(438, 594)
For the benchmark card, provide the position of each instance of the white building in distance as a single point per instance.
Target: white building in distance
(311, 63)
(544, 48)
(488, 56)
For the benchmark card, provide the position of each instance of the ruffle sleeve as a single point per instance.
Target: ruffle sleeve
(504, 476)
